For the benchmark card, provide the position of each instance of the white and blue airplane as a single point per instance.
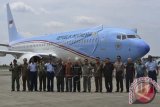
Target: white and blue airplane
(102, 42)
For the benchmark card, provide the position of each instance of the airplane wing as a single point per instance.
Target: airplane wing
(18, 54)
(5, 45)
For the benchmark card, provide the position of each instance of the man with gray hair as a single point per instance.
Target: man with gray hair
(130, 73)
(86, 74)
(119, 68)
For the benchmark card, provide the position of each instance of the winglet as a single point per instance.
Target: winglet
(12, 30)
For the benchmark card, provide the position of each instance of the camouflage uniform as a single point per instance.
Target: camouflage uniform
(86, 74)
(98, 77)
(25, 76)
(42, 76)
(15, 69)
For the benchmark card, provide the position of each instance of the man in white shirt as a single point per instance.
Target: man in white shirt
(50, 76)
(119, 68)
(33, 75)
(152, 68)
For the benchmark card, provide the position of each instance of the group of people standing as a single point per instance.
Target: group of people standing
(69, 74)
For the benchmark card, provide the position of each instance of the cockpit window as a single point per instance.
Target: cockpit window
(131, 36)
(123, 37)
(138, 36)
(119, 37)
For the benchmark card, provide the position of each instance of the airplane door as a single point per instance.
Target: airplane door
(87, 45)
(95, 44)
(90, 45)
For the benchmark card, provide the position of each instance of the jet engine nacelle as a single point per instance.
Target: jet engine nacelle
(2, 54)
(36, 57)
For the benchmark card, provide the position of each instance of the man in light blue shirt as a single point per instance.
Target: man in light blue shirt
(152, 68)
(140, 69)
(33, 75)
(50, 76)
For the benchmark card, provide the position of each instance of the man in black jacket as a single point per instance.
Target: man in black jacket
(60, 74)
(108, 71)
(77, 72)
(130, 73)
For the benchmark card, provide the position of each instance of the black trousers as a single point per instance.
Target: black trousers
(69, 84)
(129, 80)
(98, 84)
(108, 83)
(50, 81)
(153, 75)
(60, 83)
(42, 82)
(33, 81)
(76, 83)
(119, 81)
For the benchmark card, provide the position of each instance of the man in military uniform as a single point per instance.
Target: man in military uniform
(25, 74)
(60, 74)
(86, 74)
(152, 68)
(98, 76)
(42, 76)
(15, 69)
(77, 71)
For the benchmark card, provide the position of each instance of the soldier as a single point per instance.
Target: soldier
(130, 73)
(25, 74)
(108, 73)
(15, 69)
(60, 74)
(119, 68)
(86, 74)
(77, 72)
(33, 68)
(50, 68)
(98, 76)
(42, 76)
(152, 68)
(69, 75)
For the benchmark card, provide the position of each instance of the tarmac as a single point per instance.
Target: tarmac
(65, 99)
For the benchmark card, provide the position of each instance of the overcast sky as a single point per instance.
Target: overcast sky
(36, 17)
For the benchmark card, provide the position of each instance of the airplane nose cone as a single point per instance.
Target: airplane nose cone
(144, 48)
(147, 48)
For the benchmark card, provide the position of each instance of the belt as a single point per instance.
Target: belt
(152, 71)
(33, 71)
(50, 71)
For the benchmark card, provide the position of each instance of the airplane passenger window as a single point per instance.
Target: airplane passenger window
(131, 36)
(84, 41)
(123, 37)
(119, 37)
(90, 40)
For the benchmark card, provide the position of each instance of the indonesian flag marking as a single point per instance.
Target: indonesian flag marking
(10, 23)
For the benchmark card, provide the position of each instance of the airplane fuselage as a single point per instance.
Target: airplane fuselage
(89, 43)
